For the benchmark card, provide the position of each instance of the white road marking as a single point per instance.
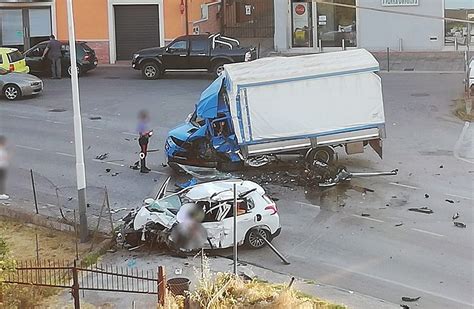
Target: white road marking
(458, 144)
(460, 196)
(368, 218)
(131, 134)
(307, 204)
(65, 154)
(427, 232)
(160, 173)
(95, 128)
(21, 117)
(402, 185)
(107, 162)
(28, 147)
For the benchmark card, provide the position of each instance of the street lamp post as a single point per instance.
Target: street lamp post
(79, 148)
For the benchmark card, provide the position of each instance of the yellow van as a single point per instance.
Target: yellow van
(11, 59)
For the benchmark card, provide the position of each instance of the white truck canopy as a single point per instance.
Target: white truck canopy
(281, 98)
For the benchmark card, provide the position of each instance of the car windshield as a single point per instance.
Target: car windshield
(172, 202)
(15, 56)
(3, 71)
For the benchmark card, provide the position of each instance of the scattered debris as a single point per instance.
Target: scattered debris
(89, 147)
(70, 198)
(449, 201)
(424, 210)
(404, 306)
(135, 166)
(441, 166)
(115, 174)
(459, 224)
(127, 139)
(427, 195)
(399, 224)
(410, 299)
(178, 271)
(186, 184)
(455, 216)
(95, 118)
(365, 214)
(57, 110)
(164, 165)
(102, 156)
(107, 170)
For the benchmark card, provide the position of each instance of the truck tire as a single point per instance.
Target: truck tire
(151, 70)
(324, 154)
(218, 68)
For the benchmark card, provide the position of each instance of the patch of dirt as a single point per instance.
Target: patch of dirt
(53, 245)
(463, 110)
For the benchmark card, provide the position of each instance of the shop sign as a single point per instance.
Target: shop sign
(400, 2)
(248, 9)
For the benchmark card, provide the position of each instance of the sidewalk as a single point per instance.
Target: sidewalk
(187, 267)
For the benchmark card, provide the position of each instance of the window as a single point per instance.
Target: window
(15, 56)
(204, 11)
(457, 33)
(199, 46)
(336, 24)
(178, 46)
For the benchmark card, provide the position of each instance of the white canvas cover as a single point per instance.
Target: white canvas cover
(294, 97)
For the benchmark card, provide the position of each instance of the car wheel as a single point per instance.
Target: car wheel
(323, 154)
(69, 71)
(11, 92)
(150, 70)
(252, 239)
(218, 68)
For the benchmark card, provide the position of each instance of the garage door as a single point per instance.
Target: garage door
(136, 27)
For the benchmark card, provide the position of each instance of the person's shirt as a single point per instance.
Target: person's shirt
(142, 128)
(54, 49)
(3, 158)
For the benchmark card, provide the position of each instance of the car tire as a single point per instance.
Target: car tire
(11, 92)
(324, 154)
(252, 241)
(151, 70)
(218, 68)
(69, 70)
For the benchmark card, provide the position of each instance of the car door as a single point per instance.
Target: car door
(34, 60)
(199, 54)
(176, 55)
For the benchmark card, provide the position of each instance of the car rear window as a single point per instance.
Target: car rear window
(15, 56)
(87, 48)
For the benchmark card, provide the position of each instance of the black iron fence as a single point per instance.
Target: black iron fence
(248, 18)
(97, 277)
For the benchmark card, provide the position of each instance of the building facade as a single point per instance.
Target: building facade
(305, 25)
(114, 28)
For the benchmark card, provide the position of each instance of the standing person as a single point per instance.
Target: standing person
(144, 135)
(3, 167)
(53, 50)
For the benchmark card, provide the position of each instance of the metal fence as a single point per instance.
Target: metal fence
(249, 18)
(97, 277)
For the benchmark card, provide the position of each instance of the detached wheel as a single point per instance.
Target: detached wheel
(11, 92)
(323, 154)
(218, 68)
(150, 70)
(253, 241)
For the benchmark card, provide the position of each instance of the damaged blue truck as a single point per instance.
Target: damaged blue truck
(303, 106)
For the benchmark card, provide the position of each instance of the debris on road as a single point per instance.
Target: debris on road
(399, 224)
(449, 201)
(107, 170)
(459, 224)
(115, 174)
(410, 299)
(95, 118)
(424, 210)
(404, 306)
(189, 183)
(365, 214)
(164, 165)
(102, 156)
(135, 166)
(114, 211)
(455, 216)
(441, 166)
(427, 195)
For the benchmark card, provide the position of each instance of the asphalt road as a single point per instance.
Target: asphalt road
(324, 235)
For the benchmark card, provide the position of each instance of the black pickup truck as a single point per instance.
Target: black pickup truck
(191, 52)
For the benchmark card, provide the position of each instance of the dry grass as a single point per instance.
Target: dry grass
(461, 109)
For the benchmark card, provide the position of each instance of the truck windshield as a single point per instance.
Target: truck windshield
(196, 120)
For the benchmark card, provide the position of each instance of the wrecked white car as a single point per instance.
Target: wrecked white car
(160, 218)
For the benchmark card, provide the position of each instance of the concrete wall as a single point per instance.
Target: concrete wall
(377, 30)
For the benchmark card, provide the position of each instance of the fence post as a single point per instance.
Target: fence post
(343, 44)
(34, 191)
(161, 285)
(75, 286)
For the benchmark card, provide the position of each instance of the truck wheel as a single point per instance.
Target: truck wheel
(253, 241)
(151, 70)
(218, 68)
(323, 154)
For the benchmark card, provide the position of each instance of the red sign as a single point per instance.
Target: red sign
(300, 9)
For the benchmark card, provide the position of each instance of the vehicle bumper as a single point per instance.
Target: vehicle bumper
(136, 65)
(32, 89)
(277, 233)
(87, 66)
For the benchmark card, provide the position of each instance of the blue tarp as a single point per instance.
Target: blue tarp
(207, 105)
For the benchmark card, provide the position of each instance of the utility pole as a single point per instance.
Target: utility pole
(79, 147)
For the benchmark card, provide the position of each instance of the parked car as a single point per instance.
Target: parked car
(157, 219)
(15, 85)
(86, 59)
(12, 60)
(192, 52)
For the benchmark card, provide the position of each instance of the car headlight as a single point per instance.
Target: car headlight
(248, 56)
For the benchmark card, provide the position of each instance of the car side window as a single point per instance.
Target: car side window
(1, 59)
(37, 51)
(199, 46)
(178, 46)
